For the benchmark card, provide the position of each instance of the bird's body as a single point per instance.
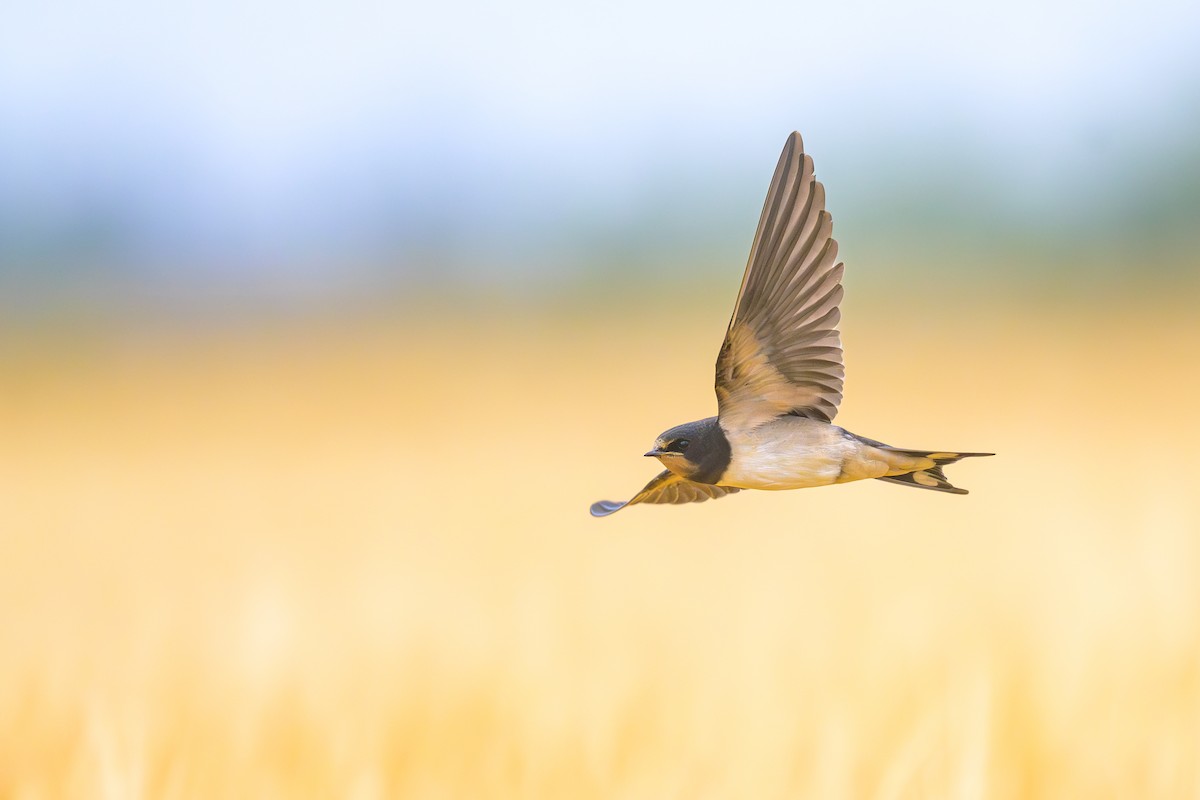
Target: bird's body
(780, 373)
(798, 453)
(792, 452)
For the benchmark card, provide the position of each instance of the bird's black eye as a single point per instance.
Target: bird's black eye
(680, 445)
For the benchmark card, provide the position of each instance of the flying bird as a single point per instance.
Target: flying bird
(780, 373)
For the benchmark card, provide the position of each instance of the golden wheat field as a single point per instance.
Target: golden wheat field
(352, 558)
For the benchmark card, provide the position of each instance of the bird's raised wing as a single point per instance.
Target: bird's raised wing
(782, 353)
(667, 487)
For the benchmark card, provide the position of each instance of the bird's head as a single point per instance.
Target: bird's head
(683, 448)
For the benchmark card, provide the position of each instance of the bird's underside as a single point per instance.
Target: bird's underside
(779, 372)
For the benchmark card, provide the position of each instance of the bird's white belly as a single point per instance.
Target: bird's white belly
(789, 453)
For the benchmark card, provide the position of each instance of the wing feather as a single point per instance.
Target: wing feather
(666, 487)
(782, 352)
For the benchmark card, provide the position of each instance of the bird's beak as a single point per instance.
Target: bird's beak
(655, 452)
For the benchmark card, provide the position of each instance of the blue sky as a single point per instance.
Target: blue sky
(282, 138)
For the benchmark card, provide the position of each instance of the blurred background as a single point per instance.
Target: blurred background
(321, 326)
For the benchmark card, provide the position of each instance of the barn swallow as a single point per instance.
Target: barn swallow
(780, 373)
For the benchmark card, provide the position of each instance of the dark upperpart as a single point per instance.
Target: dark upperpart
(696, 450)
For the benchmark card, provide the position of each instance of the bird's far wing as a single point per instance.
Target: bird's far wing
(782, 353)
(667, 487)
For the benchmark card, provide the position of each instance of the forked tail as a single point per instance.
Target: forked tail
(929, 477)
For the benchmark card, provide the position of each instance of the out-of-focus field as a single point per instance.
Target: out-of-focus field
(353, 559)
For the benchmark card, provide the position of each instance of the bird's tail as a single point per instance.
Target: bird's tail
(929, 477)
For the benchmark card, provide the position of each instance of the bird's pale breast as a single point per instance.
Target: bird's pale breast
(788, 453)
